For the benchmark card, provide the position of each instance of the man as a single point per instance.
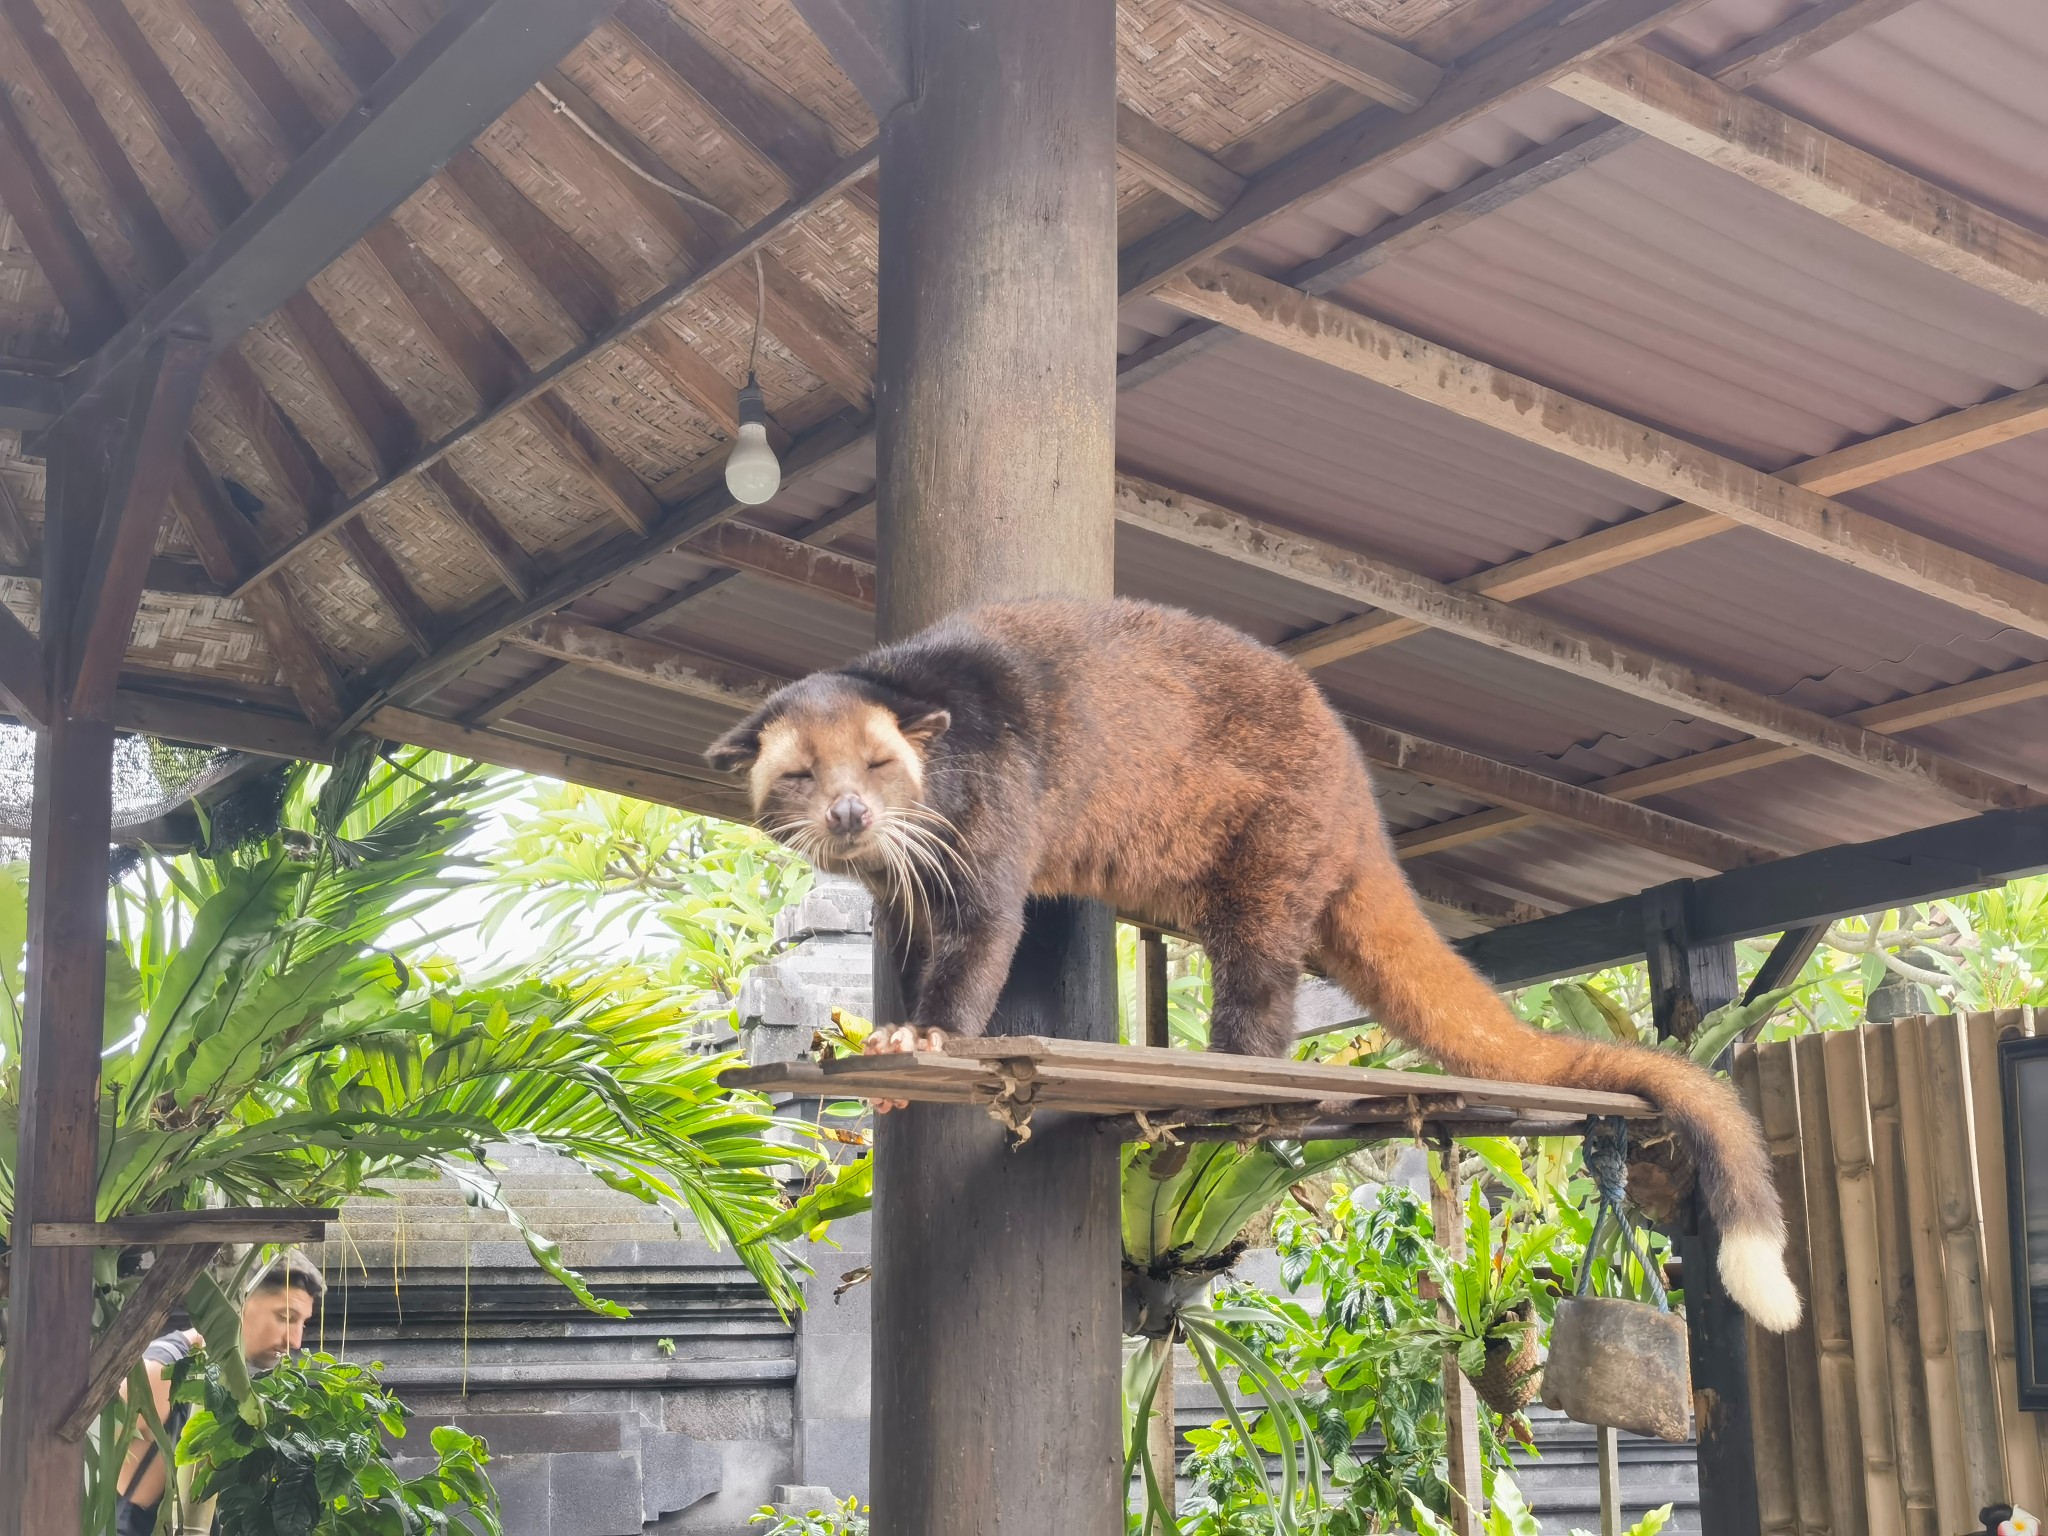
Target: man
(273, 1325)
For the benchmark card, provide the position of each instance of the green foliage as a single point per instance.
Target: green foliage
(592, 868)
(849, 1518)
(312, 1459)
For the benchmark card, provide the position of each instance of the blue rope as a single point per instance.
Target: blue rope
(1606, 1151)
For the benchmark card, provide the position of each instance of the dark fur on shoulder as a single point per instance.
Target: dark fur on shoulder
(1172, 767)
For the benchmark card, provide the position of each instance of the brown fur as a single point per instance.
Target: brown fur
(1170, 766)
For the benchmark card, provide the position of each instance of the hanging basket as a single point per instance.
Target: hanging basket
(1620, 1363)
(1514, 1370)
(1625, 1364)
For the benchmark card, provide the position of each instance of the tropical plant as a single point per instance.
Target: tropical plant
(1508, 1515)
(847, 1518)
(597, 870)
(312, 1459)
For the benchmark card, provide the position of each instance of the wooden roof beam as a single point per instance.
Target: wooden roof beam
(1174, 166)
(1774, 150)
(510, 699)
(1660, 461)
(689, 793)
(1859, 464)
(1345, 52)
(760, 116)
(540, 381)
(1380, 584)
(869, 41)
(295, 465)
(656, 663)
(1550, 799)
(453, 82)
(228, 546)
(2015, 686)
(707, 505)
(127, 197)
(31, 196)
(1546, 47)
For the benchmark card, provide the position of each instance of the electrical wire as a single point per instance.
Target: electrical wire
(625, 159)
(684, 194)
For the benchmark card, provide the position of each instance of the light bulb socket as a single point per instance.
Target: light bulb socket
(753, 409)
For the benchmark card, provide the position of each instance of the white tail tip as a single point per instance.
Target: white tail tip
(1753, 1270)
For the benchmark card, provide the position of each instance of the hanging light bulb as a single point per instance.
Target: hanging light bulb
(752, 472)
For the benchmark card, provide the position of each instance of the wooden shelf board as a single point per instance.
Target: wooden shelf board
(1090, 1078)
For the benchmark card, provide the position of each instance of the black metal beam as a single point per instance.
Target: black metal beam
(453, 83)
(1843, 881)
(29, 400)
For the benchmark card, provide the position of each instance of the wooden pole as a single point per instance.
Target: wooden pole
(1778, 1108)
(2024, 1484)
(997, 1309)
(1461, 1401)
(1955, 1192)
(1688, 980)
(1862, 1260)
(1770, 1408)
(1930, 1283)
(1155, 1019)
(1827, 1296)
(107, 494)
(1610, 1480)
(1910, 1435)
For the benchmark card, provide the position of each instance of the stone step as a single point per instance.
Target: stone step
(383, 1213)
(494, 1228)
(644, 1253)
(582, 1192)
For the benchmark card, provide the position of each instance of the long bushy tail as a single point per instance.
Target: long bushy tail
(1380, 946)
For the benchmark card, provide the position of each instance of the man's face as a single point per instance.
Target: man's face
(274, 1324)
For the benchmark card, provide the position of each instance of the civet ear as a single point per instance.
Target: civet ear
(736, 750)
(921, 730)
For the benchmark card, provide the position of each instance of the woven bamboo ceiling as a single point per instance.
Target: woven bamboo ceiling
(1625, 407)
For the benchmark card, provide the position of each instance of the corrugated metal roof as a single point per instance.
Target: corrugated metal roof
(1647, 282)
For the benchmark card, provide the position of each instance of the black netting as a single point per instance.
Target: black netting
(151, 778)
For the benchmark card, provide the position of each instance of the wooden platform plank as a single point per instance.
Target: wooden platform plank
(1098, 1078)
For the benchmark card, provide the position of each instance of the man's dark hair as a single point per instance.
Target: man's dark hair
(291, 1271)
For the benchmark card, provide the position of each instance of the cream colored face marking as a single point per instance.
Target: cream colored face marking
(782, 751)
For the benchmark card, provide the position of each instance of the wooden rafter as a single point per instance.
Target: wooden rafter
(703, 504)
(1799, 36)
(459, 76)
(1380, 584)
(510, 699)
(294, 464)
(1174, 166)
(136, 495)
(656, 663)
(1660, 461)
(1996, 691)
(1551, 45)
(30, 195)
(1859, 464)
(1816, 170)
(762, 118)
(729, 256)
(228, 547)
(1347, 53)
(1546, 798)
(414, 729)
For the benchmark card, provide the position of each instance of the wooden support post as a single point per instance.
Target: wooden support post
(1610, 1480)
(997, 1310)
(1687, 981)
(1465, 1460)
(108, 485)
(1155, 1013)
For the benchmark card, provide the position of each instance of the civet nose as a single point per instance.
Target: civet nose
(849, 814)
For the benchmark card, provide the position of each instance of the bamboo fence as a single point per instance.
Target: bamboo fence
(1893, 1407)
